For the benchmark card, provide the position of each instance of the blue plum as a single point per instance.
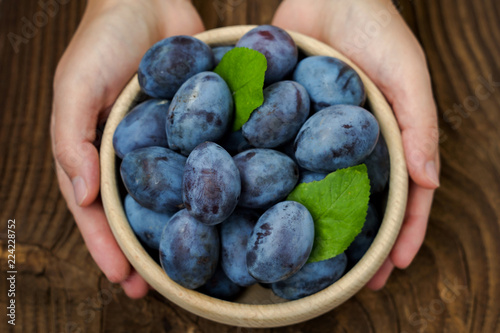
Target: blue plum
(234, 142)
(219, 52)
(211, 183)
(365, 238)
(277, 46)
(144, 126)
(146, 223)
(336, 137)
(189, 250)
(170, 62)
(200, 111)
(267, 176)
(234, 234)
(311, 278)
(309, 176)
(280, 243)
(153, 177)
(329, 81)
(379, 166)
(279, 118)
(220, 286)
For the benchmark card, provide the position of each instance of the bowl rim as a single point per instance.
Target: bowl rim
(259, 315)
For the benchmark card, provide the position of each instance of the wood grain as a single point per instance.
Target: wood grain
(452, 286)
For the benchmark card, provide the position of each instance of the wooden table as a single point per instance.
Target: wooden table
(452, 286)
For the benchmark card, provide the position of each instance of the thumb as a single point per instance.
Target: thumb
(73, 129)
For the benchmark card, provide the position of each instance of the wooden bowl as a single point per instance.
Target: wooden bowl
(259, 307)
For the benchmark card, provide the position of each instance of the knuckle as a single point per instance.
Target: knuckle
(67, 155)
(416, 158)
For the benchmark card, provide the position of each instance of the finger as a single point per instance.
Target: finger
(399, 69)
(416, 113)
(73, 131)
(378, 281)
(135, 286)
(412, 233)
(96, 233)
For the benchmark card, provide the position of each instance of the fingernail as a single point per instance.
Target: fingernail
(431, 171)
(80, 189)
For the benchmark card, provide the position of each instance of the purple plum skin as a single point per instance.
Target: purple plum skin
(143, 126)
(171, 62)
(211, 183)
(277, 46)
(279, 118)
(336, 137)
(329, 81)
(281, 242)
(189, 250)
(267, 177)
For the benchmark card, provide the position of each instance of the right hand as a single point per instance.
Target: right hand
(101, 58)
(373, 35)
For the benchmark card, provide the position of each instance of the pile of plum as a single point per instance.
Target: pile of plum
(213, 200)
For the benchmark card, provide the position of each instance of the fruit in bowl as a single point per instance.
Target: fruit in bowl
(262, 174)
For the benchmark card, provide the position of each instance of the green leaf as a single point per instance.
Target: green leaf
(243, 70)
(338, 205)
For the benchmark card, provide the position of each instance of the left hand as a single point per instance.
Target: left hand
(101, 58)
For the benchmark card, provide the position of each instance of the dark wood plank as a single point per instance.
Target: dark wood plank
(453, 284)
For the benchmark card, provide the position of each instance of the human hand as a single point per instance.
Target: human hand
(375, 37)
(100, 59)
